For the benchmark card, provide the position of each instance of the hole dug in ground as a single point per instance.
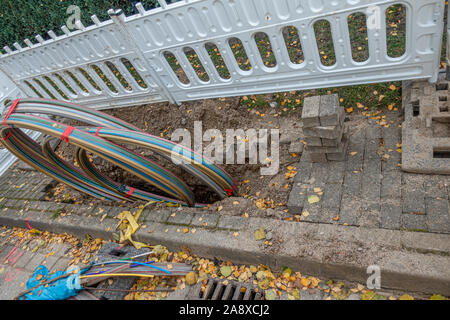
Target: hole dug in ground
(270, 191)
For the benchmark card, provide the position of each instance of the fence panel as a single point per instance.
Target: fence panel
(199, 49)
(94, 66)
(124, 61)
(200, 22)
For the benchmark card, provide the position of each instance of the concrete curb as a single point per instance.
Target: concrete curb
(409, 261)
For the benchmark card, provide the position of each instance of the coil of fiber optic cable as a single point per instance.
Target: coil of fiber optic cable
(102, 137)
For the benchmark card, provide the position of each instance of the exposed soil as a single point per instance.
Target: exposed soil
(270, 193)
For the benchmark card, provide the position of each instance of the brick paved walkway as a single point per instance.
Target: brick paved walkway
(19, 258)
(369, 189)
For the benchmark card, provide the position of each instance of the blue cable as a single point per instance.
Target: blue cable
(133, 264)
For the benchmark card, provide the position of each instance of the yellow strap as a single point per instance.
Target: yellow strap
(132, 227)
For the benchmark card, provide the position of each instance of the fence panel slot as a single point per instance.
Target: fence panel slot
(293, 44)
(134, 73)
(217, 60)
(396, 30)
(359, 39)
(196, 64)
(176, 68)
(324, 39)
(240, 54)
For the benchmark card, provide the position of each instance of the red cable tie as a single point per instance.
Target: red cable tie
(11, 109)
(98, 130)
(7, 136)
(130, 192)
(28, 225)
(230, 191)
(67, 133)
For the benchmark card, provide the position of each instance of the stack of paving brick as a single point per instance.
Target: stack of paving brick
(326, 136)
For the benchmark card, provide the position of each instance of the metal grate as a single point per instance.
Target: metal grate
(216, 290)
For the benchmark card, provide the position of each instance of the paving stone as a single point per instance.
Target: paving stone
(414, 222)
(413, 201)
(13, 282)
(332, 196)
(49, 262)
(319, 172)
(391, 137)
(304, 171)
(328, 214)
(61, 265)
(370, 205)
(415, 180)
(160, 216)
(296, 147)
(336, 172)
(391, 214)
(350, 211)
(297, 198)
(35, 261)
(354, 161)
(24, 259)
(391, 185)
(313, 141)
(391, 164)
(372, 167)
(43, 206)
(311, 295)
(10, 203)
(336, 141)
(315, 157)
(205, 220)
(369, 219)
(341, 148)
(181, 218)
(352, 183)
(332, 132)
(340, 157)
(330, 142)
(231, 223)
(438, 216)
(373, 133)
(371, 180)
(87, 210)
(371, 149)
(329, 114)
(59, 249)
(313, 212)
(310, 112)
(4, 251)
(435, 187)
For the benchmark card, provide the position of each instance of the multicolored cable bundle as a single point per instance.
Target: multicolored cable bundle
(101, 137)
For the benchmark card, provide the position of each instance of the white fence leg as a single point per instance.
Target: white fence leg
(118, 17)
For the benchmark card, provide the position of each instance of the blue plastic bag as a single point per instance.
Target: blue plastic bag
(61, 289)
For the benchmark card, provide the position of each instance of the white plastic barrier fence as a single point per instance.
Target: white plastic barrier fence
(127, 61)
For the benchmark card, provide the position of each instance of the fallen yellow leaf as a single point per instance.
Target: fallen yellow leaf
(313, 199)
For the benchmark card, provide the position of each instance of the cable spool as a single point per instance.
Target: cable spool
(102, 137)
